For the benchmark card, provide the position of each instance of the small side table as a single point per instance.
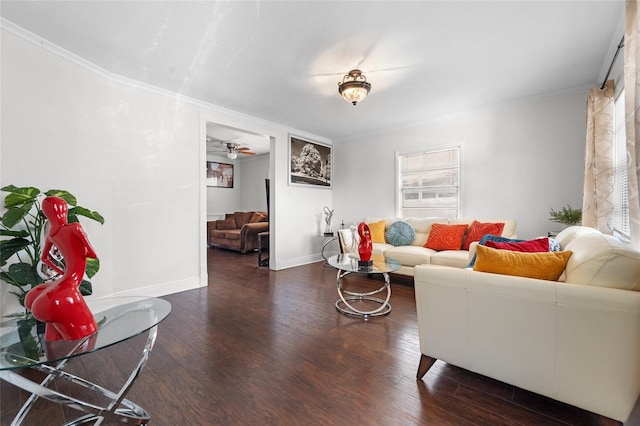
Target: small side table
(263, 244)
(24, 347)
(326, 240)
(347, 264)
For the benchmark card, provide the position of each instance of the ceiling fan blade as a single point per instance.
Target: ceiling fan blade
(246, 152)
(244, 148)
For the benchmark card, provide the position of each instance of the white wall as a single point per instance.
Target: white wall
(135, 154)
(519, 159)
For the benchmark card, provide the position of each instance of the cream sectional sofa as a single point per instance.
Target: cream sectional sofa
(416, 254)
(576, 341)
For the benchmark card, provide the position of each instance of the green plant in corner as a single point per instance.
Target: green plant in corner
(567, 215)
(21, 227)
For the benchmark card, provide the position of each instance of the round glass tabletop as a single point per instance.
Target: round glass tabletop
(22, 343)
(349, 262)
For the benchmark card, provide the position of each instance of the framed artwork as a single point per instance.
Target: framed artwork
(309, 163)
(219, 174)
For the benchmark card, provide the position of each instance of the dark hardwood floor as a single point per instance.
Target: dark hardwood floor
(258, 347)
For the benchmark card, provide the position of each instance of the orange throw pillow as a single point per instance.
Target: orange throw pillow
(543, 265)
(445, 237)
(477, 230)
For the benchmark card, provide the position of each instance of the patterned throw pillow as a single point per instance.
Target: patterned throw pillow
(400, 233)
(477, 230)
(445, 237)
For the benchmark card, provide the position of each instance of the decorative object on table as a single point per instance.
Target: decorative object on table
(354, 87)
(328, 215)
(354, 240)
(59, 303)
(567, 216)
(365, 248)
(309, 163)
(21, 227)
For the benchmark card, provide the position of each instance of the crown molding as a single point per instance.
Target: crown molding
(36, 40)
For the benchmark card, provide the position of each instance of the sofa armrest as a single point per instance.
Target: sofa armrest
(249, 234)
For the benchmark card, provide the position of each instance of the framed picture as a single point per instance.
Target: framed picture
(219, 174)
(309, 163)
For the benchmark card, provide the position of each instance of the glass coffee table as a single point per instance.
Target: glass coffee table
(347, 264)
(22, 345)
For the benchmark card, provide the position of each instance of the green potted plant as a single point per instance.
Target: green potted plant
(567, 216)
(22, 230)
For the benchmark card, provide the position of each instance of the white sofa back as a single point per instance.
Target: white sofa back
(599, 260)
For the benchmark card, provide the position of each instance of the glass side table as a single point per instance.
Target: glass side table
(22, 345)
(347, 264)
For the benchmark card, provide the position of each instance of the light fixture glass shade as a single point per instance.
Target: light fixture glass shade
(354, 87)
(232, 155)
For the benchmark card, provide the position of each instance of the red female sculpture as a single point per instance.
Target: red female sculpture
(365, 248)
(59, 303)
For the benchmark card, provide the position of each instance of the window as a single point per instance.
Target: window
(430, 183)
(620, 216)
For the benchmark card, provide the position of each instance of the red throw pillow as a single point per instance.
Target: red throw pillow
(445, 237)
(537, 245)
(477, 230)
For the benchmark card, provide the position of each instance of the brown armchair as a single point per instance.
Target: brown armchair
(238, 231)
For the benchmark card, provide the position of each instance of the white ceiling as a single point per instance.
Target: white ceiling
(281, 60)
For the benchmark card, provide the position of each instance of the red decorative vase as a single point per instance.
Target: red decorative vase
(59, 303)
(365, 248)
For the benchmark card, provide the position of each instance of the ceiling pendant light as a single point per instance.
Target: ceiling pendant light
(354, 87)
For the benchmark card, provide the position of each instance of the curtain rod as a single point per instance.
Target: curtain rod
(613, 61)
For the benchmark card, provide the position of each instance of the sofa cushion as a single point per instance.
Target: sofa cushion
(233, 234)
(242, 218)
(409, 255)
(543, 266)
(454, 258)
(477, 230)
(602, 260)
(258, 217)
(445, 237)
(400, 233)
(381, 248)
(226, 224)
(537, 245)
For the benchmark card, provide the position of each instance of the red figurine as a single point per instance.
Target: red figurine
(59, 303)
(365, 248)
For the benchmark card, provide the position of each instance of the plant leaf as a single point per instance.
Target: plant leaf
(10, 247)
(93, 266)
(65, 195)
(9, 233)
(15, 214)
(19, 196)
(24, 273)
(82, 211)
(85, 288)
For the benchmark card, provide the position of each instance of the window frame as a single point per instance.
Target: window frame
(399, 179)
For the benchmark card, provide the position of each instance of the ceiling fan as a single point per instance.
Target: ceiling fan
(232, 149)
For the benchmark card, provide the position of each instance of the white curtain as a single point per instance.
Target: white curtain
(597, 205)
(632, 119)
